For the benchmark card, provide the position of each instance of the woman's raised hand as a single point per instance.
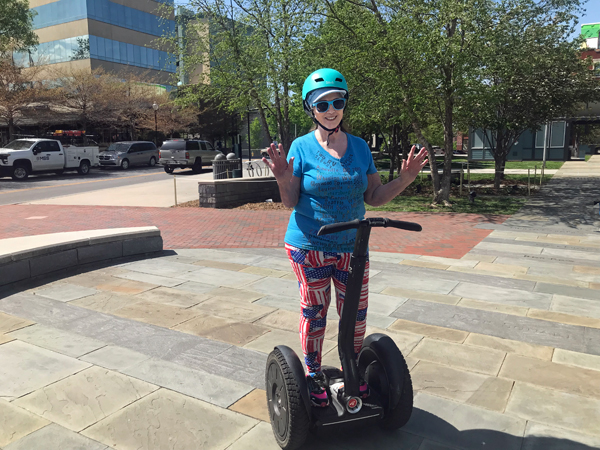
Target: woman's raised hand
(282, 170)
(414, 163)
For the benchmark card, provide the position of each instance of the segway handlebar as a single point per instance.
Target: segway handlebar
(370, 222)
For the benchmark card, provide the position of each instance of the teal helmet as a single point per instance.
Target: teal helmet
(329, 79)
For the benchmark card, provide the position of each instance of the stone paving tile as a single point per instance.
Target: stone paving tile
(587, 269)
(254, 405)
(419, 295)
(448, 261)
(85, 398)
(106, 281)
(106, 302)
(543, 437)
(564, 318)
(10, 323)
(221, 265)
(467, 275)
(258, 438)
(462, 386)
(4, 338)
(483, 258)
(195, 288)
(59, 341)
(497, 307)
(152, 279)
(464, 426)
(66, 292)
(508, 248)
(428, 264)
(545, 243)
(511, 297)
(560, 272)
(525, 329)
(157, 314)
(267, 342)
(264, 272)
(16, 422)
(275, 263)
(43, 310)
(475, 359)
(221, 329)
(205, 386)
(238, 256)
(173, 297)
(114, 357)
(533, 263)
(235, 363)
(568, 291)
(380, 321)
(548, 406)
(237, 310)
(576, 359)
(236, 294)
(574, 380)
(500, 268)
(431, 331)
(26, 368)
(268, 286)
(390, 257)
(160, 267)
(220, 277)
(591, 254)
(384, 280)
(506, 345)
(55, 437)
(406, 342)
(553, 280)
(154, 422)
(282, 302)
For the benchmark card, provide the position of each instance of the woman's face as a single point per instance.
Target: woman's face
(332, 117)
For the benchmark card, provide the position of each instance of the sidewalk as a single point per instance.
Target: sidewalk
(503, 344)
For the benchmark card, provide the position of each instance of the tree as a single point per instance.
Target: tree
(133, 100)
(170, 117)
(531, 73)
(20, 94)
(254, 49)
(16, 26)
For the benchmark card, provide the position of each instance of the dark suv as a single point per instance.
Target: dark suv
(184, 153)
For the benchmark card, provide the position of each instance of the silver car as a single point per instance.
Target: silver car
(129, 153)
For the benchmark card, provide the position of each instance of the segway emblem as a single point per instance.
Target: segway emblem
(354, 405)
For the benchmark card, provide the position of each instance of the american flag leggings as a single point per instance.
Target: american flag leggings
(315, 270)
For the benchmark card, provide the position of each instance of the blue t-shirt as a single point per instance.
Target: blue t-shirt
(331, 190)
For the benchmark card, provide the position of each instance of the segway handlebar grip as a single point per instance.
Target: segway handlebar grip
(409, 226)
(337, 227)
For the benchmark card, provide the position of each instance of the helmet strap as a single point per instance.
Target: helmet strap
(331, 130)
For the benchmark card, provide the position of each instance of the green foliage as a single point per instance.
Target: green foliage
(16, 26)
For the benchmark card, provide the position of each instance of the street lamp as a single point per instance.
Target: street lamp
(155, 108)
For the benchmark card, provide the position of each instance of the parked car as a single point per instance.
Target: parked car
(129, 153)
(22, 157)
(183, 153)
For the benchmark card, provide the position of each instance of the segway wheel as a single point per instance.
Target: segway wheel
(384, 368)
(289, 418)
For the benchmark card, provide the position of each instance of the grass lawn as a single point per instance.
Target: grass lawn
(482, 205)
(461, 161)
(587, 157)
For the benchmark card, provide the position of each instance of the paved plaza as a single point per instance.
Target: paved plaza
(501, 332)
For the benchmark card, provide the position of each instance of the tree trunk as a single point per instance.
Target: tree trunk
(435, 176)
(11, 129)
(443, 195)
(499, 163)
(394, 151)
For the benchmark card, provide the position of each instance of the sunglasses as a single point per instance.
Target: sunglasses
(323, 105)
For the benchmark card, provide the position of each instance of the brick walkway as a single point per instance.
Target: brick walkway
(444, 234)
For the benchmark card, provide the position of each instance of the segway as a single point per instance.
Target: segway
(380, 364)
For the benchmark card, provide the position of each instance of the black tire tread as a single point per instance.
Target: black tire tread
(400, 415)
(298, 421)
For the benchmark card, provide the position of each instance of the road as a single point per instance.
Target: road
(43, 187)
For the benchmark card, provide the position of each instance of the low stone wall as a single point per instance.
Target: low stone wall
(34, 256)
(237, 191)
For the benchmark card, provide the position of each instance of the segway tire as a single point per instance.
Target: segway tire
(289, 418)
(384, 368)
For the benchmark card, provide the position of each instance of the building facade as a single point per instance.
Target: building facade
(116, 35)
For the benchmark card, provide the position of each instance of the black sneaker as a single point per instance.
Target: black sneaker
(316, 388)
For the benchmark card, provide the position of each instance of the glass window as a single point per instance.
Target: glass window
(539, 137)
(108, 47)
(128, 17)
(137, 55)
(52, 146)
(478, 139)
(130, 53)
(203, 146)
(557, 137)
(93, 47)
(193, 145)
(123, 52)
(101, 48)
(115, 51)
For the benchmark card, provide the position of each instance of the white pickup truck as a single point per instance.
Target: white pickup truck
(23, 157)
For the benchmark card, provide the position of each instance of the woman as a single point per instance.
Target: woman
(327, 177)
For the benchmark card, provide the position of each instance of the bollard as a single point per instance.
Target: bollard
(528, 182)
(534, 173)
(468, 178)
(462, 166)
(541, 176)
(175, 188)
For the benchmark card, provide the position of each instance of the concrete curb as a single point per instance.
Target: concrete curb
(30, 257)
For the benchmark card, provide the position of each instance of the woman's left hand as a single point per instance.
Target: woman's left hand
(413, 164)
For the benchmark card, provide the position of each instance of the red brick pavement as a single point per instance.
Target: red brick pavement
(444, 234)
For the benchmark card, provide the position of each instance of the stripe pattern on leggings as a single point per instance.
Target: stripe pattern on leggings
(315, 270)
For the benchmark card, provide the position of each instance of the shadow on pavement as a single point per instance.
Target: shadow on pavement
(435, 429)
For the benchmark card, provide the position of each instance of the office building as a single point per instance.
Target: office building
(116, 35)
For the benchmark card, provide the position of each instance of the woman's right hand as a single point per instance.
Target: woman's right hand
(282, 170)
